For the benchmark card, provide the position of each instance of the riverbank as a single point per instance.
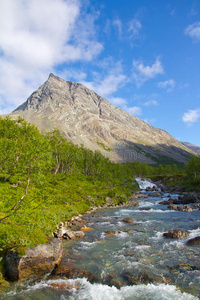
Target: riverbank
(127, 259)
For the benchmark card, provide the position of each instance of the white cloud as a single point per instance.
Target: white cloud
(134, 27)
(193, 31)
(106, 84)
(151, 103)
(118, 24)
(118, 101)
(191, 116)
(123, 104)
(168, 84)
(37, 36)
(142, 73)
(134, 110)
(128, 30)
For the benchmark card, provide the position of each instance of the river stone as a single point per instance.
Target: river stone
(176, 234)
(185, 208)
(69, 234)
(172, 206)
(194, 242)
(40, 259)
(111, 232)
(155, 194)
(189, 198)
(128, 220)
(131, 202)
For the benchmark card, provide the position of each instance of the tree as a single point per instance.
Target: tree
(193, 168)
(25, 156)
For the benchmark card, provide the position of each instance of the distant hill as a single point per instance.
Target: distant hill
(84, 117)
(192, 147)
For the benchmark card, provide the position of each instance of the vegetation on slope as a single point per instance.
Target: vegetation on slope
(45, 179)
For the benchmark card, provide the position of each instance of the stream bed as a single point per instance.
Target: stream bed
(124, 260)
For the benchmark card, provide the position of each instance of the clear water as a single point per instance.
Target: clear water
(136, 263)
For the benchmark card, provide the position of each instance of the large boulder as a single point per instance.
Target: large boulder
(185, 208)
(176, 234)
(40, 259)
(172, 206)
(128, 220)
(194, 242)
(137, 195)
(188, 198)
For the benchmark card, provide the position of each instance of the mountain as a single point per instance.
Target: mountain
(192, 147)
(84, 117)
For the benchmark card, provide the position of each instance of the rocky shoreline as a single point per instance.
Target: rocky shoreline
(43, 259)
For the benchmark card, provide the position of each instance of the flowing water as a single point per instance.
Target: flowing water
(137, 262)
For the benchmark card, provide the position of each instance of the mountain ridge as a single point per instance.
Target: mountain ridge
(84, 117)
(192, 147)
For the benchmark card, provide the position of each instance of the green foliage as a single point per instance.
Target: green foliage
(44, 179)
(193, 168)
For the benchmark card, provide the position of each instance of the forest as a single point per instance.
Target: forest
(44, 179)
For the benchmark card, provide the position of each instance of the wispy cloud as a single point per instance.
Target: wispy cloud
(193, 31)
(123, 104)
(142, 73)
(151, 103)
(106, 86)
(118, 24)
(134, 110)
(37, 36)
(134, 28)
(128, 30)
(168, 84)
(191, 116)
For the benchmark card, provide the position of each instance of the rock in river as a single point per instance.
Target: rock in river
(194, 242)
(176, 234)
(40, 259)
(128, 220)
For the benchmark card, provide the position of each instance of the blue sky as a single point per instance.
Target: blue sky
(141, 55)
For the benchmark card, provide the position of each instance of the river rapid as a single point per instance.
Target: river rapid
(125, 260)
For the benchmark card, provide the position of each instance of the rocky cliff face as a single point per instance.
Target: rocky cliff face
(84, 117)
(192, 147)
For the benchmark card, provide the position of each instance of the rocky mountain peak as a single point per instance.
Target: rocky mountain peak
(86, 118)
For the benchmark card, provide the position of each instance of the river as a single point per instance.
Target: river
(136, 262)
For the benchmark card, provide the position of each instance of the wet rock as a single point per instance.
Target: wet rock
(65, 285)
(68, 270)
(111, 280)
(40, 259)
(127, 277)
(111, 232)
(64, 232)
(69, 234)
(172, 206)
(145, 208)
(165, 202)
(77, 221)
(194, 241)
(191, 197)
(197, 206)
(137, 195)
(185, 208)
(132, 202)
(155, 194)
(128, 220)
(142, 278)
(176, 234)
